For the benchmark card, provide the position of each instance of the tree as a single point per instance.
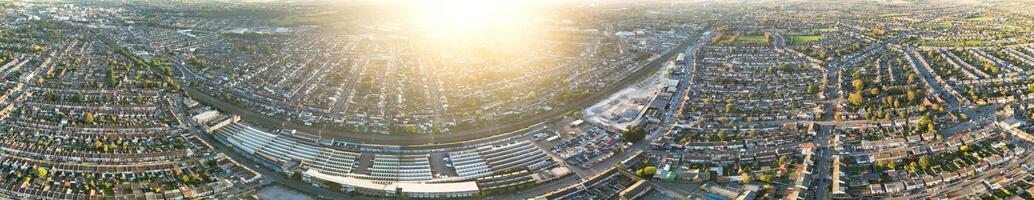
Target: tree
(646, 172)
(746, 177)
(990, 67)
(41, 172)
(296, 176)
(856, 99)
(858, 85)
(891, 165)
(634, 134)
(112, 80)
(767, 178)
(333, 185)
(874, 91)
(924, 162)
(88, 118)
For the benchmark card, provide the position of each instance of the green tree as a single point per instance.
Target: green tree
(634, 134)
(766, 178)
(88, 118)
(333, 185)
(646, 172)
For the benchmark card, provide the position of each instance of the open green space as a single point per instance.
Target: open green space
(978, 19)
(801, 39)
(302, 19)
(751, 39)
(960, 43)
(893, 14)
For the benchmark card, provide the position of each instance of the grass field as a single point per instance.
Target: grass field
(801, 39)
(301, 19)
(963, 43)
(750, 39)
(819, 30)
(893, 15)
(978, 19)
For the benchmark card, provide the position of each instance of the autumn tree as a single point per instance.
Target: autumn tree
(856, 98)
(924, 162)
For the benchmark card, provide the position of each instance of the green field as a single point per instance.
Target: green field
(963, 43)
(894, 15)
(801, 39)
(978, 19)
(302, 19)
(751, 39)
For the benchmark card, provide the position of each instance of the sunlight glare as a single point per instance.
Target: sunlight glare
(453, 16)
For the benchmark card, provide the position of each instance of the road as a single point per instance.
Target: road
(823, 156)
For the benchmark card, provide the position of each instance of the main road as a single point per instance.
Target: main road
(449, 139)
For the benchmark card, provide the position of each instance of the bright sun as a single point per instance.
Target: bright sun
(451, 16)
